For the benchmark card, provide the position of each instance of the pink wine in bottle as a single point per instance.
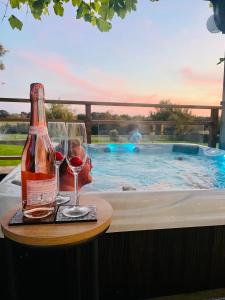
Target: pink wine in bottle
(38, 171)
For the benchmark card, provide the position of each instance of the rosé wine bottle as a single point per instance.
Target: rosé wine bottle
(37, 170)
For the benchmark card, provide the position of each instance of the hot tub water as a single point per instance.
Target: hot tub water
(155, 167)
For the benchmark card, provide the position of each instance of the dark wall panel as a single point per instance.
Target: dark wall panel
(132, 265)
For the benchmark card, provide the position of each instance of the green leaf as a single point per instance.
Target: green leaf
(76, 2)
(37, 8)
(83, 10)
(15, 3)
(122, 13)
(93, 20)
(106, 11)
(103, 10)
(38, 5)
(15, 23)
(36, 13)
(121, 3)
(58, 8)
(96, 6)
(103, 25)
(131, 5)
(45, 11)
(117, 5)
(87, 18)
(111, 13)
(79, 12)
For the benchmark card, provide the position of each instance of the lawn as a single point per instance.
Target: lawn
(6, 150)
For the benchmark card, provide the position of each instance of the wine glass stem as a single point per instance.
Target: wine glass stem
(76, 196)
(57, 178)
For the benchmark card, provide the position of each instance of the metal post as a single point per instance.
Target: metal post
(88, 122)
(222, 119)
(213, 129)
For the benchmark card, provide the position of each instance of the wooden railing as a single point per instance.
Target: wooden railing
(211, 121)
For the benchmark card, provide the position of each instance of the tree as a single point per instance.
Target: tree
(59, 112)
(169, 113)
(2, 53)
(4, 113)
(97, 12)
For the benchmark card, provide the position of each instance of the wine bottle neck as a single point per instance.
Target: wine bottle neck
(37, 105)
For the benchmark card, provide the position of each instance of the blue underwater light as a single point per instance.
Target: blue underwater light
(110, 148)
(121, 148)
(129, 147)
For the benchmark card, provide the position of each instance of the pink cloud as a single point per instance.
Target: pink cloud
(59, 67)
(193, 77)
(110, 87)
(117, 91)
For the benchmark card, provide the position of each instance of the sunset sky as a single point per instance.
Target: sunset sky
(161, 51)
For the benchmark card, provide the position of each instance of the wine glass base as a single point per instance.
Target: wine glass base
(76, 211)
(62, 199)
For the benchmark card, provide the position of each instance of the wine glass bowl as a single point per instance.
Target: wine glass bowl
(58, 157)
(76, 159)
(76, 164)
(58, 135)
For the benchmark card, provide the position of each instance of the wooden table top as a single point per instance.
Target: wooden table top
(60, 234)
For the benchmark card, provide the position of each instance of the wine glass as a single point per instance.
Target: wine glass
(58, 135)
(76, 158)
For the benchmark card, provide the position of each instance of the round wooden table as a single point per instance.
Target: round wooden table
(62, 234)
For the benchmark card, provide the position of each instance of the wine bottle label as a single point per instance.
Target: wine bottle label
(41, 192)
(38, 130)
(40, 104)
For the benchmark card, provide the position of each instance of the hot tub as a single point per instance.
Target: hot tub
(154, 198)
(164, 238)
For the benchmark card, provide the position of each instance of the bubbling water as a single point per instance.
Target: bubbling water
(119, 167)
